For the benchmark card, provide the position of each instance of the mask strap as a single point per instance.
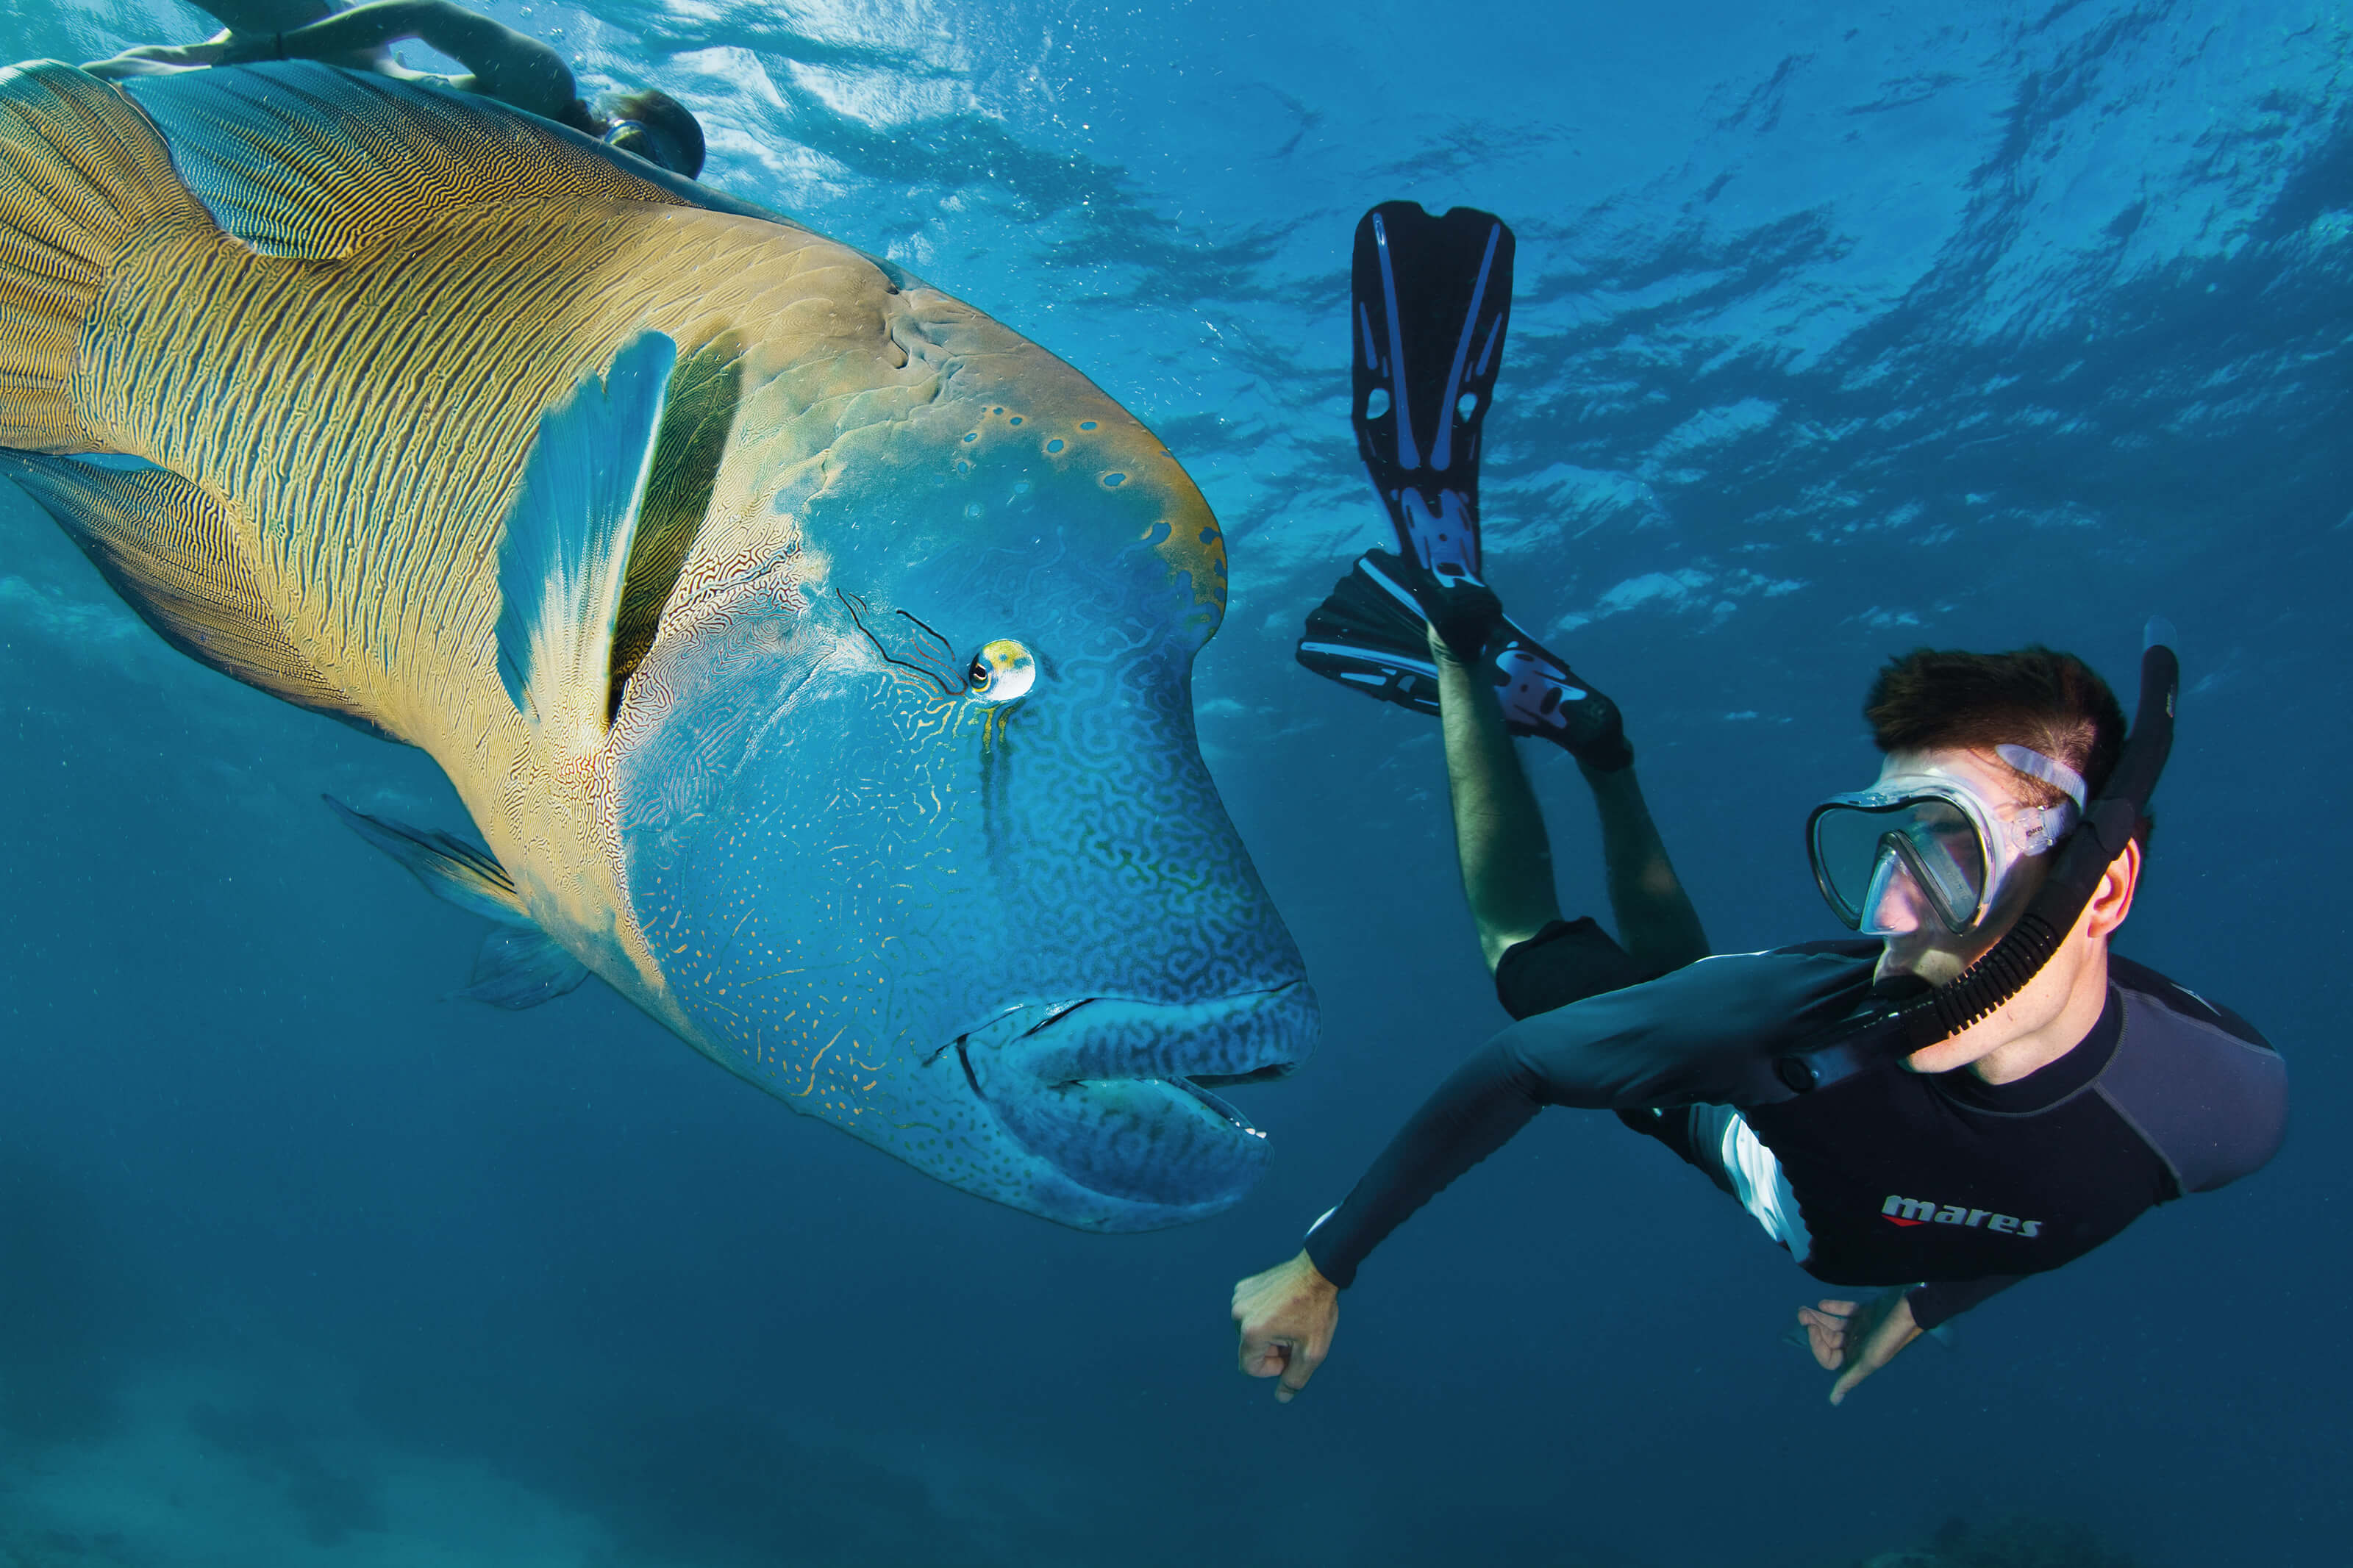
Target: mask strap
(2049, 770)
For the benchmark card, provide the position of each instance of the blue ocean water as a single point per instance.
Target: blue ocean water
(1838, 330)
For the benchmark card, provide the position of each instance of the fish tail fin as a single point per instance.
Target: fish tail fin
(81, 171)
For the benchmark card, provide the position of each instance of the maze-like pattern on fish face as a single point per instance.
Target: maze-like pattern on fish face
(849, 864)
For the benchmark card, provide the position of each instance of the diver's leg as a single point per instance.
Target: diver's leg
(1499, 834)
(1538, 694)
(1372, 635)
(1655, 919)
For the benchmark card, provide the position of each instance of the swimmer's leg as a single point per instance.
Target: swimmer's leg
(1522, 689)
(1656, 921)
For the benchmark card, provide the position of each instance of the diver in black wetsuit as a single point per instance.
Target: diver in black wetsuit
(501, 63)
(2096, 1090)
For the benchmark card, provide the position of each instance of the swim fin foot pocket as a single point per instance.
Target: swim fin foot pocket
(1542, 696)
(1431, 298)
(1371, 636)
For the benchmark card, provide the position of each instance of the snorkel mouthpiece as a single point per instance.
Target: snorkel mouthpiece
(1886, 1027)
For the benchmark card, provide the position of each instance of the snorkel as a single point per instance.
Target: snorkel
(1886, 1027)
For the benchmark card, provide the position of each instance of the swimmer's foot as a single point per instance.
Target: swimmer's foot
(1542, 696)
(1372, 635)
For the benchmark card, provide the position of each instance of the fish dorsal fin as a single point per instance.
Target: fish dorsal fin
(566, 546)
(169, 548)
(301, 160)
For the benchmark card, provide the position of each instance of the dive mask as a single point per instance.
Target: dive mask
(632, 136)
(1958, 848)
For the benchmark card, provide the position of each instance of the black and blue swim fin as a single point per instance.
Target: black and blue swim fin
(1432, 296)
(1372, 635)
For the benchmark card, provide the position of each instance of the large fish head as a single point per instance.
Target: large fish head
(913, 818)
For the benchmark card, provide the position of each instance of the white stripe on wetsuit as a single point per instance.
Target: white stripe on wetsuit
(1719, 1134)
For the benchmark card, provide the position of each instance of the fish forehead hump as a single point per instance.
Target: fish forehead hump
(876, 406)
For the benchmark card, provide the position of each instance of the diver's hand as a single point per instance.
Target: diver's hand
(1855, 1340)
(1288, 1315)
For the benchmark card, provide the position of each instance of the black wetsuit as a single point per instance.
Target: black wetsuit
(1945, 1182)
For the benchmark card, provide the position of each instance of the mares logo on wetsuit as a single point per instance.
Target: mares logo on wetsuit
(1922, 1210)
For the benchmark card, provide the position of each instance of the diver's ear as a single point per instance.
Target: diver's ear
(2112, 900)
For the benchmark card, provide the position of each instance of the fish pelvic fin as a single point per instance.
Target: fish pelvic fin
(169, 547)
(451, 869)
(565, 549)
(519, 966)
(82, 171)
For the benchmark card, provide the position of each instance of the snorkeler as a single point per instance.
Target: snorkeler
(1972, 1090)
(501, 63)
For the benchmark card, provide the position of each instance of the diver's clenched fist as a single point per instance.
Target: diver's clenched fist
(1287, 1315)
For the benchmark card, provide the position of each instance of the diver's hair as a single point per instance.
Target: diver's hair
(2051, 702)
(663, 115)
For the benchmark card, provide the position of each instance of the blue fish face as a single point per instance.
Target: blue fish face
(916, 827)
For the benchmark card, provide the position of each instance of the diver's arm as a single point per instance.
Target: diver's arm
(356, 37)
(510, 67)
(1499, 834)
(1705, 1033)
(158, 60)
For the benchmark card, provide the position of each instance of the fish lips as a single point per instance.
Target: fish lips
(1115, 1093)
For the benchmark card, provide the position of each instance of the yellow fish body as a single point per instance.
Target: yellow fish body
(811, 651)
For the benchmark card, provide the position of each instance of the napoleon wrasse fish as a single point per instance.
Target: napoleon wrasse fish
(812, 653)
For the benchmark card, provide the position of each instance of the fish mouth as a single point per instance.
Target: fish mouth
(1115, 1093)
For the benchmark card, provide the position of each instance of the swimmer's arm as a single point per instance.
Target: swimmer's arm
(506, 65)
(1704, 1033)
(1499, 834)
(159, 59)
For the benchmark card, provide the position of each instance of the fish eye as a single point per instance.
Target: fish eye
(1002, 671)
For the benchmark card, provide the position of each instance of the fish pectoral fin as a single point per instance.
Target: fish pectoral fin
(521, 966)
(169, 548)
(451, 869)
(565, 549)
(698, 417)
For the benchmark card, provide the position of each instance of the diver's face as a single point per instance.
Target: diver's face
(1922, 948)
